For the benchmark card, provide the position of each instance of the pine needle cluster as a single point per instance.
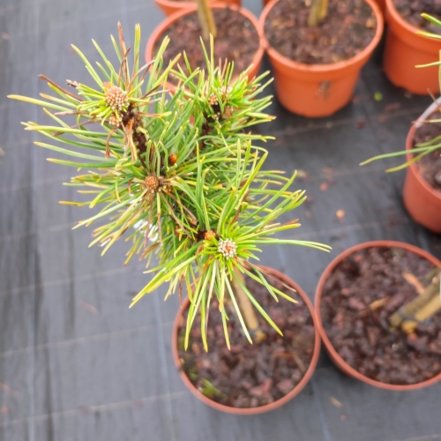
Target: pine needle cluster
(178, 174)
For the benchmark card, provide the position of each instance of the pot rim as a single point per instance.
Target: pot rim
(408, 32)
(267, 407)
(346, 367)
(168, 20)
(391, 11)
(412, 168)
(183, 4)
(358, 58)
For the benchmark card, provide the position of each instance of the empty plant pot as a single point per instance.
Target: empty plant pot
(316, 90)
(219, 378)
(405, 49)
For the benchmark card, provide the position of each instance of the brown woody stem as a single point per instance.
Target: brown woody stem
(246, 307)
(427, 304)
(206, 19)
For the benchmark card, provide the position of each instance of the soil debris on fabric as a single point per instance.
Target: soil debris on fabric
(335, 402)
(251, 375)
(360, 123)
(237, 40)
(348, 29)
(358, 300)
(340, 214)
(392, 107)
(430, 165)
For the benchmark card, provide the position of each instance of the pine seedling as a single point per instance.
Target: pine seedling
(180, 176)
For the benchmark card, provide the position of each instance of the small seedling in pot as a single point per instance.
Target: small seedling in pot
(206, 19)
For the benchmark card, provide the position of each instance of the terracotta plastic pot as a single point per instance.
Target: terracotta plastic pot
(318, 89)
(268, 407)
(421, 200)
(159, 31)
(335, 356)
(404, 49)
(171, 6)
(381, 4)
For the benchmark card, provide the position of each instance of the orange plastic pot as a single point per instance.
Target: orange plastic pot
(317, 90)
(381, 4)
(268, 407)
(335, 356)
(170, 6)
(421, 200)
(162, 28)
(265, 2)
(404, 49)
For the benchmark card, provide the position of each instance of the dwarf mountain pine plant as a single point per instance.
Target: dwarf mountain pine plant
(178, 175)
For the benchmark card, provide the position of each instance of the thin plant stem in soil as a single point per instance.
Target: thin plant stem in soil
(426, 305)
(318, 12)
(206, 19)
(250, 316)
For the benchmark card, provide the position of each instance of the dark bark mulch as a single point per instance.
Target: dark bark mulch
(257, 374)
(430, 165)
(348, 28)
(237, 40)
(361, 333)
(411, 11)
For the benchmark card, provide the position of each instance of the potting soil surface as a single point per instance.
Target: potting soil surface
(288, 32)
(237, 39)
(75, 362)
(411, 10)
(251, 375)
(359, 300)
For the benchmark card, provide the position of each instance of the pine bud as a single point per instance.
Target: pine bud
(227, 248)
(213, 100)
(210, 234)
(228, 112)
(152, 183)
(114, 121)
(116, 98)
